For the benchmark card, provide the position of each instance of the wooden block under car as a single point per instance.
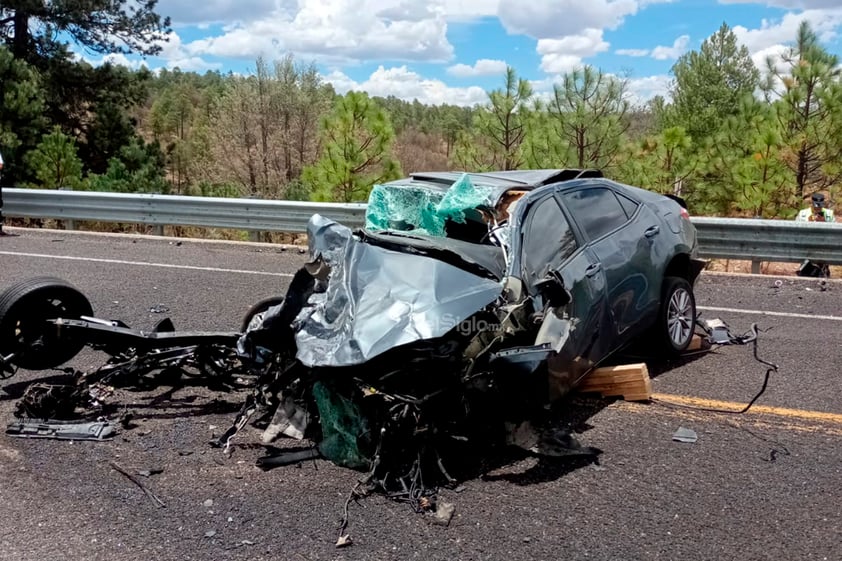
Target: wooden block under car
(698, 343)
(631, 381)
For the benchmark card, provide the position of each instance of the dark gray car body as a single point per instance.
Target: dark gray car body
(610, 245)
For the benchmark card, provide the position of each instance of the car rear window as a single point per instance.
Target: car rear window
(549, 239)
(596, 210)
(628, 205)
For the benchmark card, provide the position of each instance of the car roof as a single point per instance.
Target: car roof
(500, 181)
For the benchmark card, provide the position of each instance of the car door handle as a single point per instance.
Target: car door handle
(651, 231)
(593, 269)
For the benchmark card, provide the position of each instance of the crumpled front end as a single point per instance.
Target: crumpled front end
(369, 300)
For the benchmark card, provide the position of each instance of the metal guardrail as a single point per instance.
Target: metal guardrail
(256, 215)
(769, 240)
(726, 238)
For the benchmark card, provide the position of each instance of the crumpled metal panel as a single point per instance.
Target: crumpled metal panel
(377, 299)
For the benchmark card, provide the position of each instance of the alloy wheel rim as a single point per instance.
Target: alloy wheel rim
(680, 317)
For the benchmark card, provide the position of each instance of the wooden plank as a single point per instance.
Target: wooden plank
(631, 381)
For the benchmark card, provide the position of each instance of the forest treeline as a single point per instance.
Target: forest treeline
(731, 138)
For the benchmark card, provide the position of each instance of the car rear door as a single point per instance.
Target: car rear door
(621, 232)
(550, 244)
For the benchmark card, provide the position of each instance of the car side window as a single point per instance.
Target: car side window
(629, 205)
(596, 210)
(549, 240)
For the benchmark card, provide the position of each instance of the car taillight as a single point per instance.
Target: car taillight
(685, 214)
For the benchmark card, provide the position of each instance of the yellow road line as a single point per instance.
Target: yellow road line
(820, 416)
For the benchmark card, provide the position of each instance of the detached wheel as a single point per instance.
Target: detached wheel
(677, 316)
(259, 308)
(25, 308)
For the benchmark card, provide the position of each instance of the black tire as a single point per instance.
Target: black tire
(260, 307)
(676, 323)
(24, 332)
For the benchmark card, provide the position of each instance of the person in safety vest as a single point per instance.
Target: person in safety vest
(816, 213)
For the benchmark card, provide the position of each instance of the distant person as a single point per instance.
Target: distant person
(816, 213)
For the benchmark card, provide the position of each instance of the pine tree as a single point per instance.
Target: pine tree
(356, 152)
(807, 97)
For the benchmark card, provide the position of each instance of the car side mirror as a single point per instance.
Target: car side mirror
(551, 287)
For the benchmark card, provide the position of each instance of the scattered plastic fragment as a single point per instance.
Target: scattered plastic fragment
(444, 514)
(61, 430)
(344, 541)
(688, 436)
(159, 309)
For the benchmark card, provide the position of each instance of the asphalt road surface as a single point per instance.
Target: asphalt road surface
(763, 485)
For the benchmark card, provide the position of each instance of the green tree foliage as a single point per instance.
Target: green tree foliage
(55, 162)
(744, 170)
(661, 163)
(584, 123)
(100, 26)
(356, 153)
(138, 168)
(709, 84)
(498, 129)
(21, 114)
(89, 103)
(807, 97)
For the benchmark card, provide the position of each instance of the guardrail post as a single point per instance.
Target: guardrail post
(755, 267)
(254, 236)
(159, 229)
(68, 224)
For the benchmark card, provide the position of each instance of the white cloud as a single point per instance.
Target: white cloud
(775, 51)
(825, 22)
(220, 11)
(789, 4)
(405, 84)
(339, 31)
(560, 18)
(679, 47)
(482, 67)
(632, 52)
(467, 10)
(563, 55)
(641, 90)
(407, 11)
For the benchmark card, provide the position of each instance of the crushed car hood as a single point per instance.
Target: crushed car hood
(370, 299)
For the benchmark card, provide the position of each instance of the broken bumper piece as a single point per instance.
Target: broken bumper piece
(61, 430)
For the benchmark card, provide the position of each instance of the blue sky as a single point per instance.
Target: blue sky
(453, 50)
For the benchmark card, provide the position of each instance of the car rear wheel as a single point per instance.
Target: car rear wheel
(677, 318)
(25, 332)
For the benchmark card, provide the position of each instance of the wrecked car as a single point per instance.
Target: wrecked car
(466, 303)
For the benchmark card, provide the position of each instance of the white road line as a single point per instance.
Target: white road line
(765, 313)
(145, 264)
(288, 275)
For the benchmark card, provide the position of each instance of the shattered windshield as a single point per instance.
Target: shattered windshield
(428, 211)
